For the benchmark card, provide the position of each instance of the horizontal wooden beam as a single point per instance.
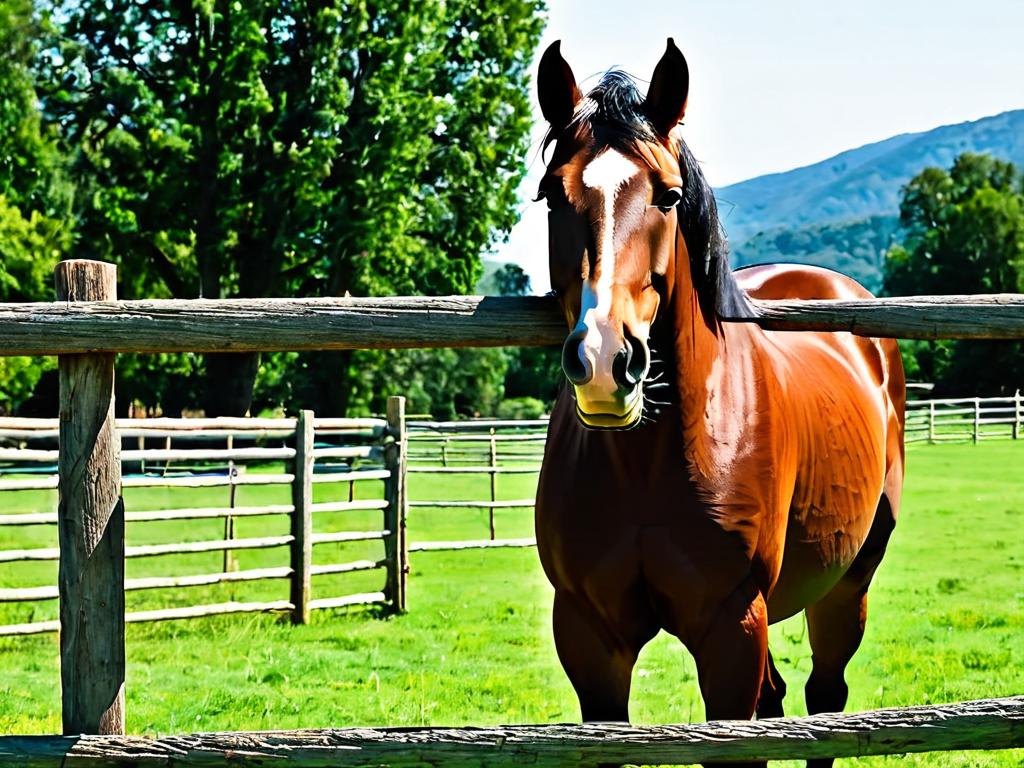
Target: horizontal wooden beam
(987, 724)
(29, 594)
(254, 325)
(451, 546)
(154, 550)
(249, 325)
(163, 614)
(992, 316)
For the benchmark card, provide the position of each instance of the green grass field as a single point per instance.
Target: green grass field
(946, 621)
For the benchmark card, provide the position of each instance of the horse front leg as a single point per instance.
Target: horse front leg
(597, 658)
(732, 657)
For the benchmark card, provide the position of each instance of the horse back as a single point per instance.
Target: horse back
(800, 281)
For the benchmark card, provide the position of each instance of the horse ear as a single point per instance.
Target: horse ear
(666, 98)
(556, 87)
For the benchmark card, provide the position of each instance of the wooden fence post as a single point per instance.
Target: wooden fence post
(977, 419)
(494, 481)
(90, 524)
(396, 546)
(230, 561)
(931, 422)
(302, 518)
(1017, 415)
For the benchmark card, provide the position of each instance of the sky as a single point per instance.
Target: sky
(781, 84)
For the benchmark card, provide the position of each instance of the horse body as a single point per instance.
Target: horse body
(770, 481)
(754, 486)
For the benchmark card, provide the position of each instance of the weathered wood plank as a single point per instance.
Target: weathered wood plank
(477, 470)
(90, 523)
(163, 614)
(991, 316)
(215, 609)
(345, 601)
(355, 565)
(251, 325)
(514, 504)
(350, 506)
(444, 546)
(986, 724)
(188, 547)
(417, 427)
(396, 512)
(31, 594)
(206, 481)
(344, 537)
(353, 476)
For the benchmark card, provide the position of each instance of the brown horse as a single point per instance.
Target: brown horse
(769, 479)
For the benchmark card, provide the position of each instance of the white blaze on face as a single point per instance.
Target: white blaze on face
(606, 175)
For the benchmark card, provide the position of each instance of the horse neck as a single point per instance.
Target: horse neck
(694, 337)
(719, 371)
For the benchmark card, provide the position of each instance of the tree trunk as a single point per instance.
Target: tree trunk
(228, 383)
(325, 384)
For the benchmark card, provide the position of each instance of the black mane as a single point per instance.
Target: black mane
(613, 114)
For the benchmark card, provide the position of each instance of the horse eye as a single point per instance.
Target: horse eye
(669, 199)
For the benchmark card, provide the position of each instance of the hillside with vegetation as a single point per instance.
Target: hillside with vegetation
(843, 212)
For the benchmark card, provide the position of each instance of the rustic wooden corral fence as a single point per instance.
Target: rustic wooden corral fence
(377, 439)
(963, 419)
(473, 441)
(88, 326)
(475, 447)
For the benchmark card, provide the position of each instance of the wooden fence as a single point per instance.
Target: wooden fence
(989, 723)
(491, 447)
(961, 419)
(87, 326)
(371, 451)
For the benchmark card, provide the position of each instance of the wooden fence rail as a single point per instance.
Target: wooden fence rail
(986, 724)
(265, 325)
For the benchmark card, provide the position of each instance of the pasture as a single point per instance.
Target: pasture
(946, 621)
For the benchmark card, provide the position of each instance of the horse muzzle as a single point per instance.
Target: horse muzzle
(619, 414)
(609, 388)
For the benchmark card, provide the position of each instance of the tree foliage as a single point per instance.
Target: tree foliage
(290, 148)
(963, 233)
(534, 373)
(34, 193)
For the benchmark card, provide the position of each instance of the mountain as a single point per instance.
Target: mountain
(842, 212)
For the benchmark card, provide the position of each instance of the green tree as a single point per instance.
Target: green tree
(512, 280)
(534, 373)
(963, 233)
(34, 193)
(292, 148)
(446, 383)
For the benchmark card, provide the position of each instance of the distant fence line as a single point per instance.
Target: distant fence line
(966, 418)
(473, 447)
(491, 447)
(380, 458)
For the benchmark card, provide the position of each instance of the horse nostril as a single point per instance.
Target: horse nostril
(573, 363)
(630, 362)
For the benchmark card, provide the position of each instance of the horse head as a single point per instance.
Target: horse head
(617, 190)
